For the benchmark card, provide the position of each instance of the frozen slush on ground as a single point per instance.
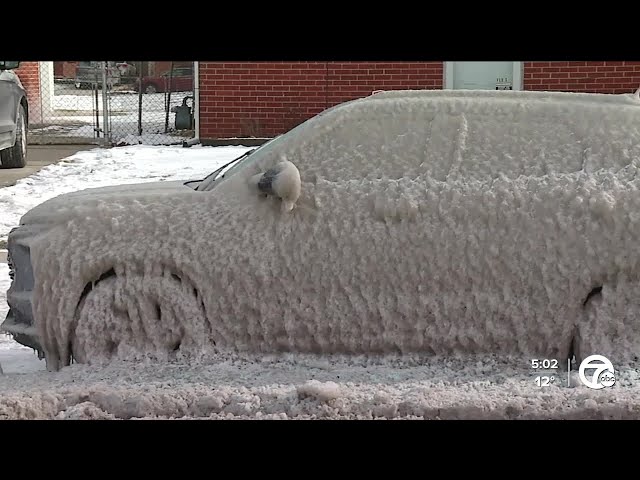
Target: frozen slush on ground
(313, 387)
(469, 231)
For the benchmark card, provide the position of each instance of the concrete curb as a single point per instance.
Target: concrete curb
(3, 256)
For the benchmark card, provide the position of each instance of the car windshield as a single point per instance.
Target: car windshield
(236, 164)
(212, 177)
(227, 169)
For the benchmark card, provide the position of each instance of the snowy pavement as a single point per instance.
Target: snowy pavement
(269, 387)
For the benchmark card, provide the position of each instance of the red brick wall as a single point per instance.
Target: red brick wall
(29, 74)
(590, 77)
(267, 99)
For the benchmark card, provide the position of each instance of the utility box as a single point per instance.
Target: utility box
(184, 115)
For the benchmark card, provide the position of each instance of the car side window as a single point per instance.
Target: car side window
(377, 140)
(543, 139)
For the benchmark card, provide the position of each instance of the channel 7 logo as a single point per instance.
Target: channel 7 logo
(601, 372)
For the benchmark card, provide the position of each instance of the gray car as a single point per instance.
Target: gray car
(14, 118)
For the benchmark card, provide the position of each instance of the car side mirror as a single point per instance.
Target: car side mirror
(282, 181)
(9, 65)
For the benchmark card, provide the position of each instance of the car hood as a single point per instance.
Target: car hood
(62, 207)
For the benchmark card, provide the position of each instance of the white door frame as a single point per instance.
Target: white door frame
(517, 75)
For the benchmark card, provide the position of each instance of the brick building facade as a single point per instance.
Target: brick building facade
(263, 99)
(596, 77)
(266, 99)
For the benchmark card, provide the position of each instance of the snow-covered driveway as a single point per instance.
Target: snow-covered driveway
(268, 387)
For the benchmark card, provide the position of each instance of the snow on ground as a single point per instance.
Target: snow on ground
(103, 167)
(124, 131)
(308, 387)
(122, 127)
(150, 139)
(118, 102)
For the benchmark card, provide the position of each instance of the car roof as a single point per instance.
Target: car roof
(516, 95)
(487, 97)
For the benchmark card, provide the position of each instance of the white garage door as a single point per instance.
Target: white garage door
(482, 75)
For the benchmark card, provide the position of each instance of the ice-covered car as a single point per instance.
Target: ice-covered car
(429, 222)
(14, 118)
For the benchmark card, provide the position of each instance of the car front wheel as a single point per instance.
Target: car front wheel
(16, 156)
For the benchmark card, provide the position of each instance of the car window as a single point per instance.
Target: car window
(375, 140)
(545, 138)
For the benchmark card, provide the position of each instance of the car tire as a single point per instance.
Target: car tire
(16, 156)
(151, 88)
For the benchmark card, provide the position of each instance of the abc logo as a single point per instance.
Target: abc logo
(603, 374)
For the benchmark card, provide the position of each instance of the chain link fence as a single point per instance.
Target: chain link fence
(113, 103)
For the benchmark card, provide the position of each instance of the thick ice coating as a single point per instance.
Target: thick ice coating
(430, 222)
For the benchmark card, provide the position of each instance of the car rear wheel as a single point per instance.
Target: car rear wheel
(151, 88)
(16, 156)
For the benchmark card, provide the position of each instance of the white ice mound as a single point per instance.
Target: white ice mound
(482, 243)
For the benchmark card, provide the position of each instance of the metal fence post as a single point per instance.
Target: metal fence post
(140, 66)
(105, 106)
